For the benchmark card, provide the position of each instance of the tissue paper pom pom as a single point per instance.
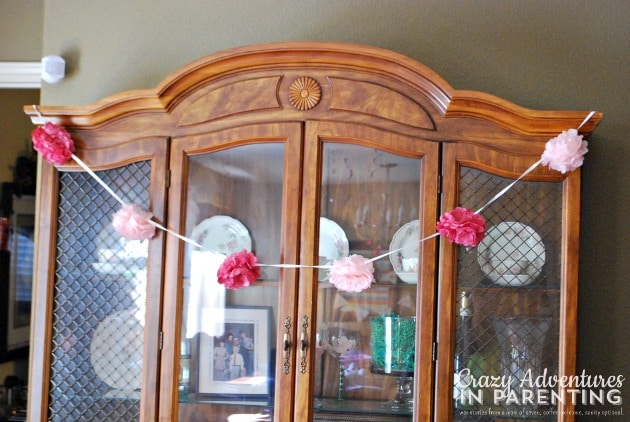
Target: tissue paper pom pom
(462, 226)
(565, 152)
(352, 274)
(53, 143)
(133, 224)
(239, 270)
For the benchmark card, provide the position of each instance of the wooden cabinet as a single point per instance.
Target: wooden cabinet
(303, 153)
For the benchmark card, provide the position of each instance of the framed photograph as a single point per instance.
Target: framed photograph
(236, 364)
(16, 278)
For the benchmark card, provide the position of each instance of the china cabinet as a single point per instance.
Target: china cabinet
(303, 153)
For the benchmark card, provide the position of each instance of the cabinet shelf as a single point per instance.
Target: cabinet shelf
(358, 410)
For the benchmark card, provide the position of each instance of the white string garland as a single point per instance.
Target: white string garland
(498, 195)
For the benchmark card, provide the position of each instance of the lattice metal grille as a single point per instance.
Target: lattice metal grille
(508, 289)
(98, 300)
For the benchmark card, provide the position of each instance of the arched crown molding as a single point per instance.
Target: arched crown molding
(445, 102)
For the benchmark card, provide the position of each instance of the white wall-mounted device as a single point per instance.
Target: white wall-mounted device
(53, 69)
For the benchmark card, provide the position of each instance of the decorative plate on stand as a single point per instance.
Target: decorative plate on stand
(511, 254)
(116, 351)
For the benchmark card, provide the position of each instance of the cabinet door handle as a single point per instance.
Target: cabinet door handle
(286, 346)
(304, 344)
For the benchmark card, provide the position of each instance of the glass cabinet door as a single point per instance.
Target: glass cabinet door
(233, 199)
(97, 313)
(371, 203)
(100, 318)
(507, 298)
(508, 293)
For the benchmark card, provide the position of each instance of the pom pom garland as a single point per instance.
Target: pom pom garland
(354, 273)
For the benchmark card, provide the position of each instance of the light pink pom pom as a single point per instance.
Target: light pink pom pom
(352, 274)
(132, 223)
(565, 152)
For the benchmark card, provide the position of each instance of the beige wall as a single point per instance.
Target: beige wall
(21, 28)
(16, 127)
(561, 54)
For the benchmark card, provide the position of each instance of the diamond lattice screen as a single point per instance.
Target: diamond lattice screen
(509, 288)
(99, 297)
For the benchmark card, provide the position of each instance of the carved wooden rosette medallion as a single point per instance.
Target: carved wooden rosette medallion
(304, 93)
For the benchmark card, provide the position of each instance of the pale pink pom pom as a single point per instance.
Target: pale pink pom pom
(565, 152)
(132, 223)
(352, 274)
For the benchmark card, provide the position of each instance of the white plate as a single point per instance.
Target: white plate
(333, 244)
(511, 254)
(116, 351)
(407, 237)
(222, 234)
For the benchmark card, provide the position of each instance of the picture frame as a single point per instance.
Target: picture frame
(237, 364)
(16, 279)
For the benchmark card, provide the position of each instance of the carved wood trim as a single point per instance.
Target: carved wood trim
(421, 82)
(304, 93)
